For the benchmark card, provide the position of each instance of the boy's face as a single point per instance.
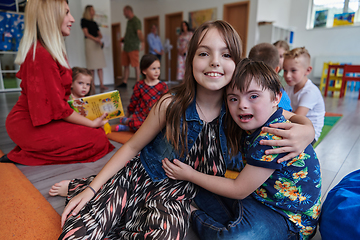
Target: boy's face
(281, 56)
(296, 71)
(251, 109)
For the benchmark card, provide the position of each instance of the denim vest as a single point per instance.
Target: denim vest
(159, 148)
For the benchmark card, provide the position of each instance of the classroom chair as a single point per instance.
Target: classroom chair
(351, 73)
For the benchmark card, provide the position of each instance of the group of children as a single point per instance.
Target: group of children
(270, 199)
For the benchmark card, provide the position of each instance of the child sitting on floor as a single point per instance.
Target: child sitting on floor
(268, 54)
(282, 47)
(146, 93)
(276, 200)
(82, 82)
(306, 98)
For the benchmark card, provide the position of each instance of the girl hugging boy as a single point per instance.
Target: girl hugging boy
(276, 200)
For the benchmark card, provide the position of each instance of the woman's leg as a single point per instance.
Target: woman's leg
(101, 78)
(253, 220)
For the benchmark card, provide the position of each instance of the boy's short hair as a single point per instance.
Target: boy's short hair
(282, 44)
(266, 53)
(248, 70)
(298, 52)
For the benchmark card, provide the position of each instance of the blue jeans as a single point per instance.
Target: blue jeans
(224, 218)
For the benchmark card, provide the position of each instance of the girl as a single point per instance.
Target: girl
(134, 198)
(278, 201)
(146, 93)
(51, 131)
(82, 83)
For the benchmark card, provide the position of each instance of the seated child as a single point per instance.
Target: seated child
(268, 54)
(282, 47)
(306, 98)
(146, 93)
(275, 200)
(81, 83)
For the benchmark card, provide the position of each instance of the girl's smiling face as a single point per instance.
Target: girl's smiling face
(213, 66)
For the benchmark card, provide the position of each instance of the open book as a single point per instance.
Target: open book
(94, 106)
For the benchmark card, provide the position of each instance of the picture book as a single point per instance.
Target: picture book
(94, 106)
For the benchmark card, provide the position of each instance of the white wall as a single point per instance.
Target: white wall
(341, 41)
(75, 45)
(149, 8)
(320, 42)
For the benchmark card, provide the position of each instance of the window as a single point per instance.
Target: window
(333, 13)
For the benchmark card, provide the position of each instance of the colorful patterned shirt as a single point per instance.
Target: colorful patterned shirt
(142, 100)
(294, 189)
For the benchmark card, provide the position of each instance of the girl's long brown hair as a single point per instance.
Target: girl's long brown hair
(184, 94)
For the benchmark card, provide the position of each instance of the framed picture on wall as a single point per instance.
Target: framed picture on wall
(320, 18)
(196, 18)
(344, 19)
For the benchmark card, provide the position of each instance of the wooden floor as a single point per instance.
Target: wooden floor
(338, 152)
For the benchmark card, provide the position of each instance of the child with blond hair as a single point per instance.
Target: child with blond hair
(305, 96)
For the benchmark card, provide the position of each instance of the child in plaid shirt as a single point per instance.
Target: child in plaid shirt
(146, 93)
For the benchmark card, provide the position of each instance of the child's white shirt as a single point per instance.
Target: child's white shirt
(310, 97)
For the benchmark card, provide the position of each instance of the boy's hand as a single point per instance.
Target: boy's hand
(177, 170)
(295, 138)
(100, 121)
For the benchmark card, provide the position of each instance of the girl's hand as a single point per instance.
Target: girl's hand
(99, 122)
(76, 204)
(295, 138)
(177, 170)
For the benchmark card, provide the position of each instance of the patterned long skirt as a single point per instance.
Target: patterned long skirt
(131, 206)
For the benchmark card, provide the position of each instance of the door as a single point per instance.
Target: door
(116, 35)
(172, 28)
(237, 14)
(148, 22)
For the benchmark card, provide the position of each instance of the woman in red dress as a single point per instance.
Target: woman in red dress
(42, 124)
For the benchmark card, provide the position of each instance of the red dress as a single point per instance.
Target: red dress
(35, 122)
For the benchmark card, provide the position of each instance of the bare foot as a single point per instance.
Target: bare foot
(60, 188)
(104, 87)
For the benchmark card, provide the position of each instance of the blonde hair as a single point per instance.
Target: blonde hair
(43, 20)
(298, 52)
(87, 14)
(282, 44)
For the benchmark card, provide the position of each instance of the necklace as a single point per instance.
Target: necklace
(203, 115)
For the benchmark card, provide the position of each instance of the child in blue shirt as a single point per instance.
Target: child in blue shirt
(268, 54)
(275, 200)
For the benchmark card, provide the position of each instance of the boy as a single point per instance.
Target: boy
(282, 47)
(306, 98)
(268, 54)
(268, 199)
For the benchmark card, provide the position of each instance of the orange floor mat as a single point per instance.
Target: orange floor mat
(120, 137)
(24, 212)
